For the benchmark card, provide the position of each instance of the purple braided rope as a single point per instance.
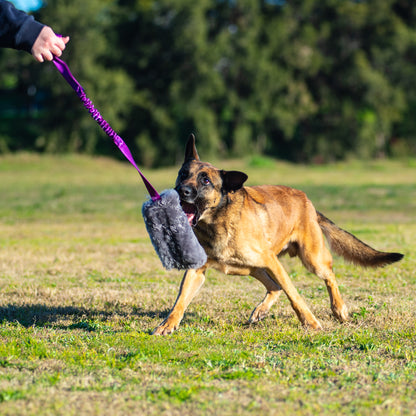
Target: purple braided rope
(95, 114)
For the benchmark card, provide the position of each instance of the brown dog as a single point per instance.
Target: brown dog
(244, 229)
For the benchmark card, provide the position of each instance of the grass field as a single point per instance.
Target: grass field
(81, 288)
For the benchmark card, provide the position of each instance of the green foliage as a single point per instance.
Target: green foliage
(316, 80)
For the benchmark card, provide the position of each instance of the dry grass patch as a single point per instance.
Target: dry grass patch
(81, 288)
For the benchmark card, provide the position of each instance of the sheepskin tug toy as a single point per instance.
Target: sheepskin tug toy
(166, 222)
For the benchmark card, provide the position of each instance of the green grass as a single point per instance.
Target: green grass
(81, 288)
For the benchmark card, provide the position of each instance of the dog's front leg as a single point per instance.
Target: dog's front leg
(273, 292)
(191, 283)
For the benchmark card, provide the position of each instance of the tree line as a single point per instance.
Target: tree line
(312, 80)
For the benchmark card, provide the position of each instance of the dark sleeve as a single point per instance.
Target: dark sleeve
(18, 30)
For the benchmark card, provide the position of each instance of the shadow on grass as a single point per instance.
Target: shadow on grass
(40, 315)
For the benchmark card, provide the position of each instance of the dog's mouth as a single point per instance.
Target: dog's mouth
(191, 212)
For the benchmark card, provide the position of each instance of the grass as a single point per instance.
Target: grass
(81, 288)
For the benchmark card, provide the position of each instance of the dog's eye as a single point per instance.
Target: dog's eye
(205, 180)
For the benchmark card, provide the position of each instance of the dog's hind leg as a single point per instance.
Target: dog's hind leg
(318, 260)
(338, 307)
(273, 292)
(191, 283)
(276, 271)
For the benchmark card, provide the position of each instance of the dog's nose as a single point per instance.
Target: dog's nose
(185, 191)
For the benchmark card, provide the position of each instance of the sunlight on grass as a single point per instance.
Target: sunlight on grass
(81, 289)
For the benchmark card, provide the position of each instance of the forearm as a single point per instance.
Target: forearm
(17, 29)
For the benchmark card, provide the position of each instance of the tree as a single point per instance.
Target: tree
(302, 80)
(66, 125)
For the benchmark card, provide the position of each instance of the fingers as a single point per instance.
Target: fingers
(48, 44)
(60, 42)
(38, 56)
(57, 47)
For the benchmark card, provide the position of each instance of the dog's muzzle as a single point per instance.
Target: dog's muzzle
(191, 212)
(187, 196)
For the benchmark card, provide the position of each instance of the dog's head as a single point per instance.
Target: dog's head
(201, 186)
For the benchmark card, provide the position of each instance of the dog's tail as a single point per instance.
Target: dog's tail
(351, 248)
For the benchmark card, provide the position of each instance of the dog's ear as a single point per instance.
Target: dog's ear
(190, 152)
(232, 180)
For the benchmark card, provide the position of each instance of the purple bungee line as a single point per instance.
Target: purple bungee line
(95, 114)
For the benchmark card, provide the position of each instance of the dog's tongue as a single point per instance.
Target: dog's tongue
(190, 211)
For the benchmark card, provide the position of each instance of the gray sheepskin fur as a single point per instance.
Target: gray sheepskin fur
(170, 233)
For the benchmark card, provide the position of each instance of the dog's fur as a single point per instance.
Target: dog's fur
(244, 229)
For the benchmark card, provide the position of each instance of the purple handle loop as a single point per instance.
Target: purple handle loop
(118, 141)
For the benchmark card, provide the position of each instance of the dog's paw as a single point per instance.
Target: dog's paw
(313, 324)
(258, 315)
(165, 329)
(341, 313)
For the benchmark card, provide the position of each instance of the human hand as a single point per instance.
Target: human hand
(48, 44)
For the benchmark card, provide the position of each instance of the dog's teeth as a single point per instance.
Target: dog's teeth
(190, 218)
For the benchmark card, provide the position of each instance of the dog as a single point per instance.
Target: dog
(244, 230)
